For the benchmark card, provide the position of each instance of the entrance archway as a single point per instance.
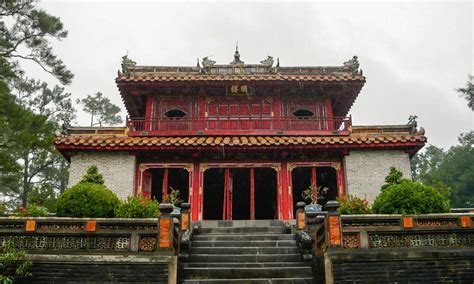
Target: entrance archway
(240, 193)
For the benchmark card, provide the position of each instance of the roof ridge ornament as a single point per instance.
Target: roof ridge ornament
(268, 61)
(237, 56)
(353, 65)
(127, 64)
(206, 62)
(413, 123)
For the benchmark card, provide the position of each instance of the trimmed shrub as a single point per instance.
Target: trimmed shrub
(408, 197)
(93, 176)
(87, 200)
(353, 205)
(138, 207)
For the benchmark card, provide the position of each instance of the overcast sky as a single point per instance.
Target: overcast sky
(414, 55)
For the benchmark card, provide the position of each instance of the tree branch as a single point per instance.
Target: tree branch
(33, 59)
(7, 53)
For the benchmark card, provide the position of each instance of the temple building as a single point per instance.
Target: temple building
(241, 141)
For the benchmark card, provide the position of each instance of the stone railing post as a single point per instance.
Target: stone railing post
(333, 224)
(166, 226)
(185, 217)
(300, 216)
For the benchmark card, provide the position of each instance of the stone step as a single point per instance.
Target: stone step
(253, 281)
(246, 272)
(244, 250)
(242, 237)
(247, 264)
(246, 243)
(241, 223)
(245, 230)
(205, 257)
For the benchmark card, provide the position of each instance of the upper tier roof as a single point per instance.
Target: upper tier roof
(237, 70)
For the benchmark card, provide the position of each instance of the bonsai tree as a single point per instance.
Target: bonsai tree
(174, 197)
(403, 196)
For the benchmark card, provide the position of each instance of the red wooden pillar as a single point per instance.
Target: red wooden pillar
(227, 194)
(252, 194)
(341, 187)
(276, 110)
(286, 210)
(329, 114)
(314, 183)
(148, 113)
(165, 185)
(201, 122)
(195, 192)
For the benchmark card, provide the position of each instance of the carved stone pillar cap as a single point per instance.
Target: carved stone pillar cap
(185, 206)
(166, 208)
(300, 204)
(331, 206)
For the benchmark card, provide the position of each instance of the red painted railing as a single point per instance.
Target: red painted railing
(240, 125)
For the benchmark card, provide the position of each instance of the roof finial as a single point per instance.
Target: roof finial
(237, 55)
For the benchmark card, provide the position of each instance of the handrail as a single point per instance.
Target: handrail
(240, 124)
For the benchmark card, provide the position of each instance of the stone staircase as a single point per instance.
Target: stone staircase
(245, 252)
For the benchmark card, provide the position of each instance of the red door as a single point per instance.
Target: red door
(146, 184)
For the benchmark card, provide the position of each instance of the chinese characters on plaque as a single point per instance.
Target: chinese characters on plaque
(236, 90)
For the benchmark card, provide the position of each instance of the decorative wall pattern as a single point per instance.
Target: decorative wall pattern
(43, 242)
(350, 240)
(421, 240)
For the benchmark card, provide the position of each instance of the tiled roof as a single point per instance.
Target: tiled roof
(125, 143)
(239, 78)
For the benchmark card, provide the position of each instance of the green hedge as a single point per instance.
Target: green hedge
(87, 199)
(408, 197)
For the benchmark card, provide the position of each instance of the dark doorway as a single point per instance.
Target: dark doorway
(327, 184)
(157, 184)
(301, 180)
(265, 193)
(240, 194)
(178, 179)
(213, 194)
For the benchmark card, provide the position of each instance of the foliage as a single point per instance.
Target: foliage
(468, 92)
(102, 109)
(353, 205)
(32, 211)
(25, 31)
(394, 176)
(93, 176)
(451, 171)
(174, 197)
(87, 200)
(138, 207)
(30, 111)
(30, 163)
(11, 257)
(308, 194)
(409, 197)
